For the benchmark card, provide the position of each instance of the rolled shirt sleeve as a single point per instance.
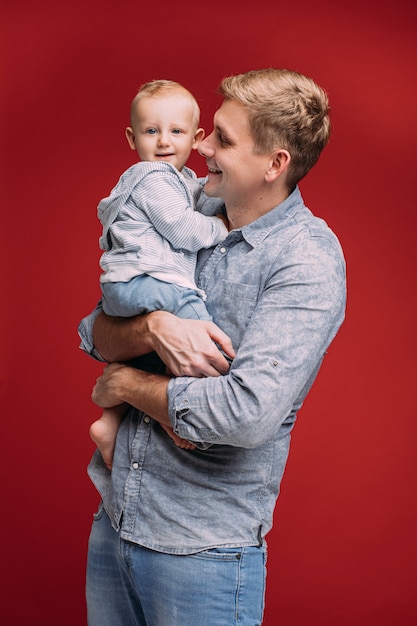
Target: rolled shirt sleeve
(85, 332)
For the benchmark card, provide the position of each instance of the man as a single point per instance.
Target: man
(180, 538)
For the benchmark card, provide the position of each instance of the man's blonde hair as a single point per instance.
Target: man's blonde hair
(164, 87)
(286, 110)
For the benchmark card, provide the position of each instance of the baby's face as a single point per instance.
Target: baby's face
(165, 129)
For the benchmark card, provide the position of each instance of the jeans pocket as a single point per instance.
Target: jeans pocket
(220, 554)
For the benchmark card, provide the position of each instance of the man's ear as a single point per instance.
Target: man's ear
(130, 136)
(278, 165)
(198, 137)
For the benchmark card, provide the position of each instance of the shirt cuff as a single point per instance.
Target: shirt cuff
(85, 332)
(179, 412)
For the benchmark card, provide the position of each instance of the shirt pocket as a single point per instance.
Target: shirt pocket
(232, 305)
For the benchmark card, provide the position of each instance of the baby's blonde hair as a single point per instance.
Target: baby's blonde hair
(164, 87)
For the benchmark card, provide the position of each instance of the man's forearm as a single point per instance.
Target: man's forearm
(187, 347)
(121, 338)
(148, 393)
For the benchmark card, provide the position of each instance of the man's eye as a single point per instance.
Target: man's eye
(223, 140)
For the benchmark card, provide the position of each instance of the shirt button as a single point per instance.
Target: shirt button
(146, 419)
(223, 250)
(135, 465)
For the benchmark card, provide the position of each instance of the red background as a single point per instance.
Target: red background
(343, 549)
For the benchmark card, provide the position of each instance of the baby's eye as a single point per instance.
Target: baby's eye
(151, 131)
(177, 131)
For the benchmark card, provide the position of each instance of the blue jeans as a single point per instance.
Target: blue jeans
(128, 585)
(144, 294)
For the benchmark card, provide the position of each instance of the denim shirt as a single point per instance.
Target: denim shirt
(277, 288)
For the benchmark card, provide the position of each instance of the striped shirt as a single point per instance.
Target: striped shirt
(150, 225)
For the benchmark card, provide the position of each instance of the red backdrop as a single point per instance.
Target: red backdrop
(343, 549)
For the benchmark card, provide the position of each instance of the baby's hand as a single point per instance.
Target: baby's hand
(179, 441)
(224, 219)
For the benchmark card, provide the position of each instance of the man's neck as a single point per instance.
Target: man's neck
(242, 214)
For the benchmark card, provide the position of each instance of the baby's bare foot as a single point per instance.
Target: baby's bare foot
(103, 432)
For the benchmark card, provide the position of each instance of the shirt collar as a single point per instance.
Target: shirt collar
(255, 232)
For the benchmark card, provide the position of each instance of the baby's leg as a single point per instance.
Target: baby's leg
(104, 430)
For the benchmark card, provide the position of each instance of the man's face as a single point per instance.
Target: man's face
(235, 172)
(164, 129)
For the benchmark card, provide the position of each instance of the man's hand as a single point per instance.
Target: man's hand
(143, 390)
(188, 347)
(108, 390)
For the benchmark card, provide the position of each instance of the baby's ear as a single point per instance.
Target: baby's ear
(198, 137)
(130, 136)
